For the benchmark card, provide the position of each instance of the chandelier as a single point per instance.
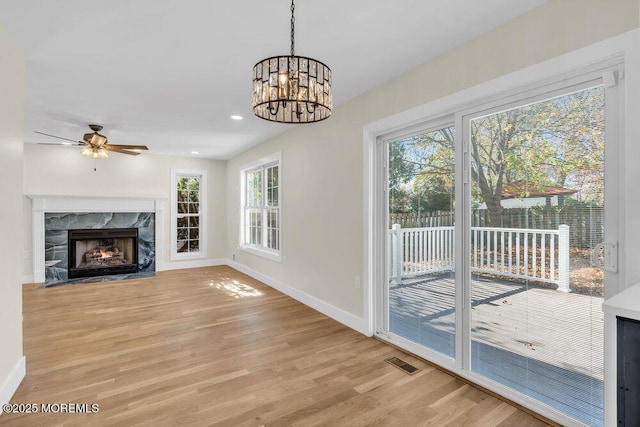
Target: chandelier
(292, 89)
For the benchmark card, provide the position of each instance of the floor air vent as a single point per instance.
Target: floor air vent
(401, 364)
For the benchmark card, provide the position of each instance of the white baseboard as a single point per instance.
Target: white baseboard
(27, 279)
(335, 313)
(194, 263)
(11, 383)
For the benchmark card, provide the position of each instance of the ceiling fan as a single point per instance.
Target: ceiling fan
(96, 146)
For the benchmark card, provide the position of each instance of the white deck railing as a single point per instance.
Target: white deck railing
(538, 255)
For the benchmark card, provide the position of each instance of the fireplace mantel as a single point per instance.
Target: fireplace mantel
(42, 204)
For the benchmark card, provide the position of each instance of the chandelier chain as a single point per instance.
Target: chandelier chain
(293, 33)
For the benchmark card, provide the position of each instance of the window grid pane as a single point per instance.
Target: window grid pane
(272, 186)
(253, 230)
(254, 188)
(273, 229)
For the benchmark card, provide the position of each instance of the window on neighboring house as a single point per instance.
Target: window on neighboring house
(261, 207)
(188, 212)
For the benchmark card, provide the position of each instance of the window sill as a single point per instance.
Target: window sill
(264, 253)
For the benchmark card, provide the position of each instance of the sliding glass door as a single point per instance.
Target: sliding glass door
(536, 213)
(494, 218)
(420, 251)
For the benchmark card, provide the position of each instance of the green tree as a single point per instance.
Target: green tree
(434, 182)
(401, 172)
(556, 142)
(550, 143)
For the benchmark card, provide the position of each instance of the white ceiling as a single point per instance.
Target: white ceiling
(169, 73)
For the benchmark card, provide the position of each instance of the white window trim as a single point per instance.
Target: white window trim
(175, 174)
(271, 254)
(579, 62)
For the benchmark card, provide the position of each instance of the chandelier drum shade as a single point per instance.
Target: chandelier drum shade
(292, 89)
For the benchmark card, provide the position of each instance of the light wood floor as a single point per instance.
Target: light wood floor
(211, 346)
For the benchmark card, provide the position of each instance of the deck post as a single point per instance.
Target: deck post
(397, 253)
(563, 258)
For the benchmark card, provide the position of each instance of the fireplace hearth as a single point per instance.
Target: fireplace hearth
(101, 252)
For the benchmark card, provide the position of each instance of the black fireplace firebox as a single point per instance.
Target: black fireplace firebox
(102, 252)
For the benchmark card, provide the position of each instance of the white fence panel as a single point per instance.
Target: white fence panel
(506, 252)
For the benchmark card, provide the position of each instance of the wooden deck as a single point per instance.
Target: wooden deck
(213, 347)
(531, 339)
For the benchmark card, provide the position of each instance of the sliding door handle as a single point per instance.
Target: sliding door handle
(609, 260)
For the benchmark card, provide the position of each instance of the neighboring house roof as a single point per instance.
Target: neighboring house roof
(525, 190)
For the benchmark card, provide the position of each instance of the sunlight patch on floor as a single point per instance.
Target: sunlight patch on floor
(236, 289)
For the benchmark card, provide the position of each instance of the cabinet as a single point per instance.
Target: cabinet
(628, 361)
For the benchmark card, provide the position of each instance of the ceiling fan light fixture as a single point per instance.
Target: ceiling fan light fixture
(292, 89)
(94, 152)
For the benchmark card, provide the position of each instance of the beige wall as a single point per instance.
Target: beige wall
(322, 164)
(11, 125)
(59, 170)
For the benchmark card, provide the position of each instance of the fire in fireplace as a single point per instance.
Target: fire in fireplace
(102, 252)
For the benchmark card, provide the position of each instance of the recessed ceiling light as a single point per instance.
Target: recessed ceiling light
(236, 117)
(195, 152)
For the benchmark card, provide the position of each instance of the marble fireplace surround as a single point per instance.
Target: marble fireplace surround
(43, 204)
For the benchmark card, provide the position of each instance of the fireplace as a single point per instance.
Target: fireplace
(102, 252)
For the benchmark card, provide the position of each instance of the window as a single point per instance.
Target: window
(188, 205)
(261, 207)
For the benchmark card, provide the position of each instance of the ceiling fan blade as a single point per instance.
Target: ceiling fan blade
(77, 144)
(55, 136)
(120, 150)
(129, 147)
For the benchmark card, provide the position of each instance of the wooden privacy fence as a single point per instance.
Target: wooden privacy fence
(530, 254)
(422, 219)
(586, 223)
